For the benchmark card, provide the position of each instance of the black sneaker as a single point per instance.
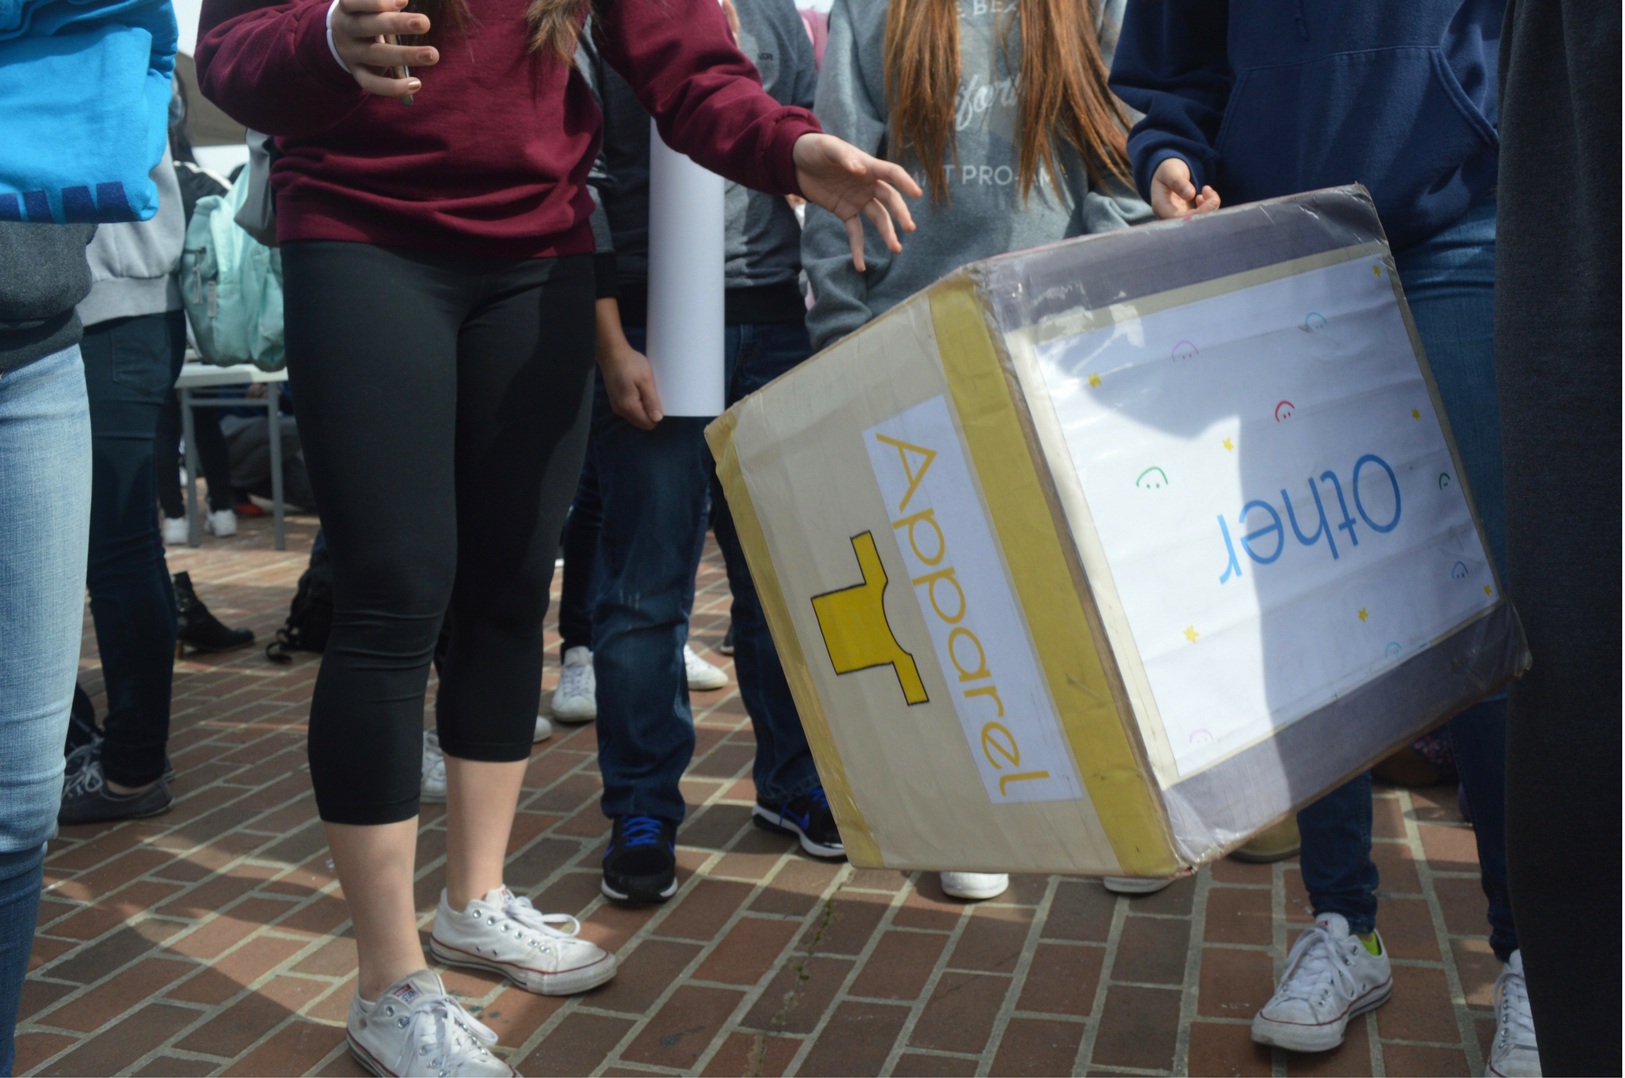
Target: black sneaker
(199, 629)
(807, 817)
(640, 866)
(727, 645)
(86, 797)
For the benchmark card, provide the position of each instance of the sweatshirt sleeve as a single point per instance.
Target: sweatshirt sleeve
(1172, 65)
(706, 98)
(268, 66)
(598, 177)
(849, 111)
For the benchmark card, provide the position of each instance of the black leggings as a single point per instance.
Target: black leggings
(443, 406)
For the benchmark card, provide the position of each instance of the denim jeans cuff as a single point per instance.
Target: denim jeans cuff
(1361, 923)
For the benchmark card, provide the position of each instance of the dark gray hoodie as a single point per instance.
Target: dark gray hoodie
(43, 273)
(986, 215)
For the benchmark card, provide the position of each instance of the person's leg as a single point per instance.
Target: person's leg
(524, 364)
(580, 576)
(248, 442)
(653, 485)
(129, 372)
(784, 764)
(1336, 860)
(45, 517)
(166, 454)
(1449, 283)
(372, 347)
(213, 457)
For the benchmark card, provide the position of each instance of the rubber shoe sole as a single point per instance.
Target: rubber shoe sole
(1324, 1036)
(635, 896)
(372, 1066)
(772, 821)
(566, 982)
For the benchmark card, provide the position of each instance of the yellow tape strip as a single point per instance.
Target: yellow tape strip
(1101, 739)
(861, 848)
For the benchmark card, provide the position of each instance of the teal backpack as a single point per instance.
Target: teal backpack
(231, 285)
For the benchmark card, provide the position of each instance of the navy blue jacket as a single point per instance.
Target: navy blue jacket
(1271, 97)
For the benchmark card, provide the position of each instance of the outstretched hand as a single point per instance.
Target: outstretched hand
(853, 185)
(1174, 195)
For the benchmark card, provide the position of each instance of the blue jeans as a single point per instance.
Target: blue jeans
(45, 519)
(130, 370)
(654, 486)
(1449, 282)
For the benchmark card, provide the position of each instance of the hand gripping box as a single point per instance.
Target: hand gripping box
(1102, 557)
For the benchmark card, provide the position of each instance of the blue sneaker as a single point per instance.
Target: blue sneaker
(640, 866)
(807, 817)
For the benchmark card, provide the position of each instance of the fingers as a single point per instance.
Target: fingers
(1207, 201)
(371, 26)
(1175, 175)
(893, 175)
(883, 224)
(364, 7)
(376, 54)
(650, 397)
(889, 197)
(854, 236)
(374, 83)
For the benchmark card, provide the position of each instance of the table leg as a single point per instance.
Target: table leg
(194, 515)
(273, 413)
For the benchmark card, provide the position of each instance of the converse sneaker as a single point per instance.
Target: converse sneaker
(807, 817)
(1132, 885)
(1513, 1051)
(974, 886)
(576, 698)
(86, 797)
(544, 729)
(432, 784)
(505, 933)
(1331, 977)
(176, 531)
(222, 524)
(702, 676)
(640, 866)
(415, 1028)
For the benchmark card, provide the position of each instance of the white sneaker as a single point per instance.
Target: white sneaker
(1513, 1053)
(415, 1028)
(222, 524)
(702, 676)
(1330, 978)
(974, 886)
(175, 531)
(544, 729)
(1130, 885)
(432, 786)
(576, 698)
(505, 933)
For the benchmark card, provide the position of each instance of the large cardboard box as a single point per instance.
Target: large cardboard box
(1100, 558)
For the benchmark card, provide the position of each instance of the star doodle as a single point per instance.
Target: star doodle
(1228, 444)
(1191, 634)
(1094, 379)
(1487, 590)
(1362, 613)
(1415, 414)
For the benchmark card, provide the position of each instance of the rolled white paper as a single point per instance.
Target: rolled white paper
(685, 335)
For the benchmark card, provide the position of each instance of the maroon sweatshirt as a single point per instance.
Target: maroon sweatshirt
(492, 157)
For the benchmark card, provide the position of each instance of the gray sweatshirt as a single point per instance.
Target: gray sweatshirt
(132, 265)
(762, 245)
(985, 214)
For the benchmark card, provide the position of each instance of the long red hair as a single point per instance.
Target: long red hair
(1062, 89)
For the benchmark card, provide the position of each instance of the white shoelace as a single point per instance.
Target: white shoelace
(1512, 1011)
(519, 909)
(437, 1026)
(87, 777)
(1315, 967)
(573, 680)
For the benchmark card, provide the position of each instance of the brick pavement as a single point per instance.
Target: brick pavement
(211, 940)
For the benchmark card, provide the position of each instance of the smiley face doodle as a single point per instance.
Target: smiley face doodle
(1284, 410)
(1314, 322)
(1458, 571)
(1200, 737)
(1392, 649)
(1153, 478)
(1185, 350)
(1444, 480)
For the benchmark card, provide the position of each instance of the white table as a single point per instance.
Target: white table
(199, 375)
